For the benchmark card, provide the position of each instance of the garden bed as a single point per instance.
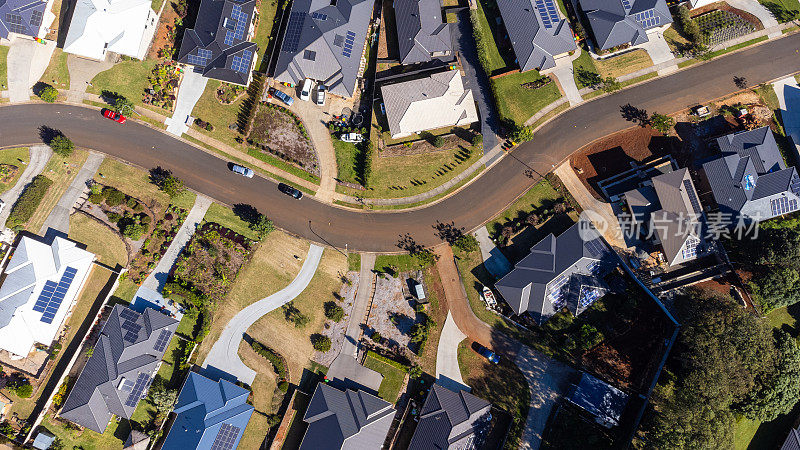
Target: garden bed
(228, 93)
(162, 90)
(335, 331)
(278, 131)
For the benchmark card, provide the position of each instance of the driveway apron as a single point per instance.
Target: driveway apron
(27, 61)
(59, 216)
(192, 87)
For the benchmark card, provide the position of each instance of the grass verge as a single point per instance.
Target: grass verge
(225, 217)
(723, 51)
(57, 73)
(516, 103)
(136, 182)
(61, 171)
(16, 157)
(100, 240)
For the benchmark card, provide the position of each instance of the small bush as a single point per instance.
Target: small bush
(467, 243)
(26, 204)
(333, 311)
(145, 219)
(273, 357)
(62, 145)
(132, 203)
(320, 342)
(113, 217)
(114, 197)
(95, 197)
(283, 385)
(438, 141)
(48, 94)
(376, 336)
(476, 140)
(133, 230)
(24, 390)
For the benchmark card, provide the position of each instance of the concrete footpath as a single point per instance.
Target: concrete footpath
(39, 155)
(59, 216)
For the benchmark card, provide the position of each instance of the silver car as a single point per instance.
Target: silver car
(243, 171)
(320, 98)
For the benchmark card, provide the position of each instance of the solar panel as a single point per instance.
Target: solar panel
(202, 57)
(57, 293)
(690, 250)
(242, 63)
(795, 185)
(130, 337)
(593, 267)
(349, 40)
(162, 341)
(319, 16)
(129, 314)
(293, 30)
(626, 4)
(127, 385)
(44, 296)
(36, 18)
(226, 437)
(587, 296)
(692, 196)
(14, 19)
(142, 381)
(595, 247)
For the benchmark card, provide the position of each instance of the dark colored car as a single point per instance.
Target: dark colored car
(115, 116)
(288, 190)
(282, 96)
(486, 353)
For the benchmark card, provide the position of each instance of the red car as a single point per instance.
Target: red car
(115, 116)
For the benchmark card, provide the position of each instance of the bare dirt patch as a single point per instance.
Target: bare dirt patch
(278, 131)
(8, 172)
(336, 330)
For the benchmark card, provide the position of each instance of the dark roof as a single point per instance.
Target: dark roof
(451, 420)
(324, 41)
(420, 31)
(217, 31)
(792, 441)
(206, 410)
(617, 22)
(750, 175)
(353, 418)
(21, 17)
(600, 399)
(125, 353)
(536, 35)
(532, 286)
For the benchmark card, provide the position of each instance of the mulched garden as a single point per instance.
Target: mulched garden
(278, 131)
(163, 89)
(228, 93)
(8, 172)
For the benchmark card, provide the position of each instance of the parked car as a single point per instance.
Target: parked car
(351, 137)
(486, 353)
(288, 190)
(305, 91)
(243, 171)
(320, 98)
(282, 96)
(113, 115)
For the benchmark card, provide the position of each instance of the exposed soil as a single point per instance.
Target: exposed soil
(165, 34)
(276, 131)
(391, 314)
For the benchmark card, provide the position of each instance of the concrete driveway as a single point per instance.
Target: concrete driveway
(81, 73)
(493, 259)
(39, 155)
(59, 216)
(27, 61)
(789, 100)
(192, 87)
(659, 51)
(313, 116)
(448, 372)
(224, 356)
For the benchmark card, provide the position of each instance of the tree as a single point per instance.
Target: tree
(163, 399)
(610, 84)
(437, 141)
(167, 182)
(57, 444)
(333, 311)
(123, 106)
(48, 94)
(776, 287)
(320, 342)
(133, 230)
(521, 134)
(662, 123)
(588, 78)
(781, 391)
(688, 26)
(467, 243)
(426, 258)
(7, 430)
(62, 145)
(24, 390)
(263, 226)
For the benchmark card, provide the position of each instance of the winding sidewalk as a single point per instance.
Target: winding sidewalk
(224, 355)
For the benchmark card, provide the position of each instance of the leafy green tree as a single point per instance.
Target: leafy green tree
(173, 186)
(662, 123)
(688, 26)
(521, 134)
(776, 287)
(780, 391)
(333, 311)
(48, 94)
(263, 226)
(610, 84)
(162, 399)
(321, 343)
(7, 430)
(426, 258)
(123, 106)
(133, 230)
(62, 145)
(467, 243)
(57, 444)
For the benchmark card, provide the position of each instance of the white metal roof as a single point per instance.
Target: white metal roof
(100, 26)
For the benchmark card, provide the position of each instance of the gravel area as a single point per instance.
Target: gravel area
(337, 330)
(389, 303)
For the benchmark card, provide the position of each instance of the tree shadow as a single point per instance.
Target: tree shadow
(47, 134)
(248, 213)
(636, 115)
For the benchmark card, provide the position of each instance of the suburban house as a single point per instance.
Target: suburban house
(41, 283)
(792, 441)
(667, 208)
(451, 420)
(750, 180)
(218, 44)
(603, 401)
(346, 419)
(324, 41)
(421, 33)
(537, 31)
(117, 375)
(435, 101)
(209, 414)
(125, 27)
(622, 22)
(564, 271)
(25, 17)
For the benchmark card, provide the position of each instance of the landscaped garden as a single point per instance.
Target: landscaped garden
(12, 164)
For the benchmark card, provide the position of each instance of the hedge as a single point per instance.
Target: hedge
(273, 357)
(26, 205)
(385, 360)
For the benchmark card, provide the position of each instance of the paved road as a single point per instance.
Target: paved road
(379, 231)
(224, 355)
(59, 216)
(39, 155)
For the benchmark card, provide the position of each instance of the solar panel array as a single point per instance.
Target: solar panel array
(648, 19)
(36, 18)
(595, 247)
(690, 251)
(782, 206)
(142, 382)
(348, 44)
(794, 186)
(242, 63)
(692, 196)
(626, 4)
(293, 30)
(548, 12)
(127, 385)
(593, 267)
(319, 16)
(52, 295)
(202, 57)
(555, 290)
(129, 325)
(162, 341)
(14, 23)
(241, 22)
(129, 314)
(587, 297)
(226, 437)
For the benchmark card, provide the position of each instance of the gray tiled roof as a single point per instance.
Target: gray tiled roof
(450, 419)
(535, 44)
(209, 34)
(614, 24)
(420, 31)
(749, 173)
(96, 396)
(25, 9)
(314, 43)
(525, 288)
(346, 419)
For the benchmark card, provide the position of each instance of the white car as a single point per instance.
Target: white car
(320, 98)
(351, 137)
(243, 171)
(305, 91)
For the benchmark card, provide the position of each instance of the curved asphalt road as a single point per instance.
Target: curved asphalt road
(379, 231)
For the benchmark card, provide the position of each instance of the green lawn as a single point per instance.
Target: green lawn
(781, 9)
(494, 60)
(393, 378)
(3, 67)
(225, 217)
(266, 23)
(541, 194)
(127, 78)
(17, 157)
(518, 104)
(112, 439)
(57, 73)
(99, 239)
(281, 164)
(136, 182)
(346, 153)
(354, 262)
(615, 67)
(402, 262)
(208, 108)
(585, 62)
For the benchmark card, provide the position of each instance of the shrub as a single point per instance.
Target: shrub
(662, 123)
(133, 230)
(376, 336)
(62, 145)
(283, 385)
(262, 225)
(476, 140)
(95, 197)
(113, 217)
(467, 243)
(24, 390)
(132, 203)
(145, 219)
(320, 342)
(438, 141)
(273, 357)
(294, 315)
(48, 94)
(167, 182)
(114, 197)
(7, 430)
(26, 204)
(333, 311)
